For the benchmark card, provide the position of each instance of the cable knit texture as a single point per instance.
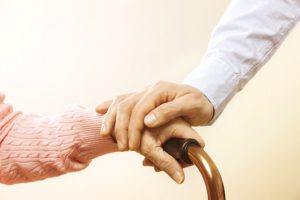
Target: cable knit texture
(36, 147)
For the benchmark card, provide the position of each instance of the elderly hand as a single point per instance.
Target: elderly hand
(155, 106)
(5, 108)
(151, 147)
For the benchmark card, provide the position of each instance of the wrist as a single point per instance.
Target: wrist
(89, 144)
(217, 80)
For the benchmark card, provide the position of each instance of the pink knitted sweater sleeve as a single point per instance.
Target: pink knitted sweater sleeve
(36, 147)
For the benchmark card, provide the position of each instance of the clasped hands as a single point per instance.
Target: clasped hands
(144, 121)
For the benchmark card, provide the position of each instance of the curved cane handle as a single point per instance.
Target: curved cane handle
(189, 151)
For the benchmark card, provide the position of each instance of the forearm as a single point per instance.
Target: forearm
(247, 36)
(35, 147)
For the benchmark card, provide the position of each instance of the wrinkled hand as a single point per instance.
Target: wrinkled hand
(151, 147)
(155, 106)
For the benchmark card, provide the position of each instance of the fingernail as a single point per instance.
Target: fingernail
(178, 177)
(150, 119)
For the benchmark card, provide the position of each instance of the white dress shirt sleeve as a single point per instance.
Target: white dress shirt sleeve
(246, 37)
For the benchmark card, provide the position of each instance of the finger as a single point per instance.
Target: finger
(147, 163)
(103, 108)
(121, 139)
(2, 97)
(157, 169)
(164, 113)
(5, 109)
(122, 120)
(109, 121)
(166, 163)
(121, 132)
(136, 125)
(124, 109)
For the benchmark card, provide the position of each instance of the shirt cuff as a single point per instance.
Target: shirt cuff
(217, 80)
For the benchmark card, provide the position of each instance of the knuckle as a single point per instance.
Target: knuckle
(119, 98)
(121, 138)
(147, 145)
(195, 104)
(119, 131)
(164, 93)
(164, 164)
(196, 97)
(122, 107)
(161, 112)
(146, 149)
(136, 111)
(128, 103)
(160, 83)
(168, 107)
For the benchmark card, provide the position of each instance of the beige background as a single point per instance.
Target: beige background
(58, 52)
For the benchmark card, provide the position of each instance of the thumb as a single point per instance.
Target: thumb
(164, 113)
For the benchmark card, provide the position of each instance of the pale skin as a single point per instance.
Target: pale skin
(151, 147)
(152, 141)
(128, 115)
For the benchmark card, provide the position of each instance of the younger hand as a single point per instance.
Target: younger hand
(154, 107)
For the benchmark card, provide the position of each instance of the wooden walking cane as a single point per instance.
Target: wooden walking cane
(189, 151)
